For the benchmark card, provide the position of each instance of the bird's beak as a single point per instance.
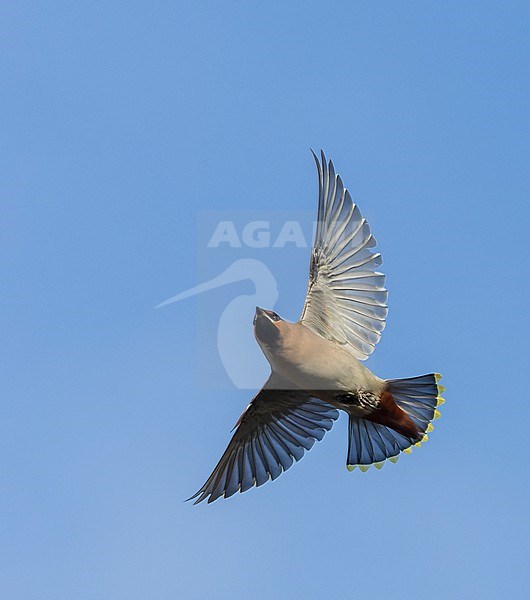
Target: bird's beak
(259, 312)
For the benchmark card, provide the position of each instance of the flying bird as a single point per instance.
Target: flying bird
(316, 368)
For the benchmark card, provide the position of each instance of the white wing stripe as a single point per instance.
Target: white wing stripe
(351, 253)
(333, 238)
(347, 240)
(373, 260)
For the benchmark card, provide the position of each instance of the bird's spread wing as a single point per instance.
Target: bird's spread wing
(275, 430)
(346, 298)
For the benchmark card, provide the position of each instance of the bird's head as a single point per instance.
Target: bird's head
(267, 327)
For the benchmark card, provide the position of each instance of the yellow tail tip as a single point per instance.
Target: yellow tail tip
(380, 464)
(363, 468)
(424, 439)
(437, 414)
(437, 376)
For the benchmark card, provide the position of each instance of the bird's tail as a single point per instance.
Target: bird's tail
(370, 443)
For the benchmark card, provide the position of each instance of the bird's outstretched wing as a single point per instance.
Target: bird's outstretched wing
(275, 430)
(346, 297)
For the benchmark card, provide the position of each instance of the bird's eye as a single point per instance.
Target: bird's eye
(274, 316)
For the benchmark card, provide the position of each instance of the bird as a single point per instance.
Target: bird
(236, 349)
(316, 364)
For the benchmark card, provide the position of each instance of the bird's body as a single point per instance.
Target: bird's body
(330, 372)
(315, 364)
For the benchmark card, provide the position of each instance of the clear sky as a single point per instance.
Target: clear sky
(123, 126)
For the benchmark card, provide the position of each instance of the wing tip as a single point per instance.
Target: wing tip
(200, 495)
(321, 162)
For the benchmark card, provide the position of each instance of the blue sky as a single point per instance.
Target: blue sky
(122, 124)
